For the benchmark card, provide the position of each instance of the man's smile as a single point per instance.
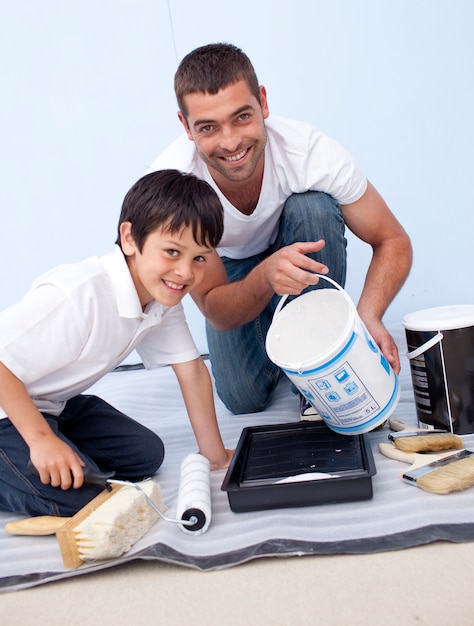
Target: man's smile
(236, 157)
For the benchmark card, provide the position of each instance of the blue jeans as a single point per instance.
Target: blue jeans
(244, 375)
(105, 439)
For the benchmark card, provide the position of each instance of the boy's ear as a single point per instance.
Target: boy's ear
(126, 239)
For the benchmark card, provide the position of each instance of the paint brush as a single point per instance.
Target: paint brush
(440, 473)
(410, 439)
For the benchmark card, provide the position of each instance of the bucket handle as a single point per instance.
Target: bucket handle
(303, 366)
(334, 283)
(426, 346)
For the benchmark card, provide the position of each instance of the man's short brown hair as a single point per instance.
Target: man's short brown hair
(210, 68)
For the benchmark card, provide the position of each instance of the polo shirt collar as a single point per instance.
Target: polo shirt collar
(128, 302)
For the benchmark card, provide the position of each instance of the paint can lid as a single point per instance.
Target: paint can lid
(441, 318)
(310, 329)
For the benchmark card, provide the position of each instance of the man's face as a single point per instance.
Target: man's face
(229, 132)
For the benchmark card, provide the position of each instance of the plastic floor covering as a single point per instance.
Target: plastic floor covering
(398, 516)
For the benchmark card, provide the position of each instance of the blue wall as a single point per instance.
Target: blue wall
(87, 102)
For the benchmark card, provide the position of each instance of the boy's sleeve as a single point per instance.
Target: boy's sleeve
(169, 342)
(41, 334)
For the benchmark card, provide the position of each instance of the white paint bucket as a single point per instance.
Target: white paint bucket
(323, 347)
(441, 352)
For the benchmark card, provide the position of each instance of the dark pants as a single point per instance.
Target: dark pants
(105, 439)
(244, 375)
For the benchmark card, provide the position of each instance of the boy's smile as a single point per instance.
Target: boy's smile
(168, 266)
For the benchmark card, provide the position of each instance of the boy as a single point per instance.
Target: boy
(77, 323)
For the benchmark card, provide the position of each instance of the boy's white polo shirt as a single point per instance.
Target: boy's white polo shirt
(78, 322)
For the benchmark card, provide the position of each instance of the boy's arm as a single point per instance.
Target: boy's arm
(52, 457)
(196, 387)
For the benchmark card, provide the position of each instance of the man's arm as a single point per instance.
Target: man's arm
(287, 271)
(371, 220)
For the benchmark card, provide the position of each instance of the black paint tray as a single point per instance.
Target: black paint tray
(267, 455)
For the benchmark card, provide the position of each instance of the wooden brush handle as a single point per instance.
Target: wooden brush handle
(415, 458)
(390, 451)
(41, 525)
(400, 425)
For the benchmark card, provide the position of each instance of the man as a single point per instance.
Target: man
(288, 191)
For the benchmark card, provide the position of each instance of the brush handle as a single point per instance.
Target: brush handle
(390, 451)
(399, 426)
(40, 525)
(416, 459)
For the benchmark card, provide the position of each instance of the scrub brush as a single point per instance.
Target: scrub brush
(107, 527)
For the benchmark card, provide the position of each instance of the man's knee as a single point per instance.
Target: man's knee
(248, 393)
(312, 216)
(315, 206)
(242, 403)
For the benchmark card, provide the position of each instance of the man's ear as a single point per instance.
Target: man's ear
(264, 102)
(183, 121)
(126, 238)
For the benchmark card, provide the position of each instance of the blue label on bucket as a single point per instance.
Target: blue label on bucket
(384, 363)
(344, 396)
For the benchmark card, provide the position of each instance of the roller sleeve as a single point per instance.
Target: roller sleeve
(194, 497)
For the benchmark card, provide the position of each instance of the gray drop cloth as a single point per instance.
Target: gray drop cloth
(398, 516)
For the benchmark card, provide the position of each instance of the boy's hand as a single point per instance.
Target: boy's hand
(57, 464)
(224, 463)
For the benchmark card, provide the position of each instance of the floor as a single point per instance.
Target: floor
(429, 584)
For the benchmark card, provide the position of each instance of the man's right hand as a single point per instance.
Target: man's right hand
(290, 270)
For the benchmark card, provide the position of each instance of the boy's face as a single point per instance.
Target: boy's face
(169, 265)
(228, 130)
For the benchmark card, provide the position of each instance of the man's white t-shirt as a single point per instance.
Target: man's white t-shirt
(298, 158)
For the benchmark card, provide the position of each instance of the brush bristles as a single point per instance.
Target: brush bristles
(455, 476)
(117, 524)
(429, 443)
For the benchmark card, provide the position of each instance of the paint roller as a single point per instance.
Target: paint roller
(117, 518)
(194, 497)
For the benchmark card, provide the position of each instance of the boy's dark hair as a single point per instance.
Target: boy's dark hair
(174, 200)
(211, 68)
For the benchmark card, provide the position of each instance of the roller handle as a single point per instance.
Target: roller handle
(90, 476)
